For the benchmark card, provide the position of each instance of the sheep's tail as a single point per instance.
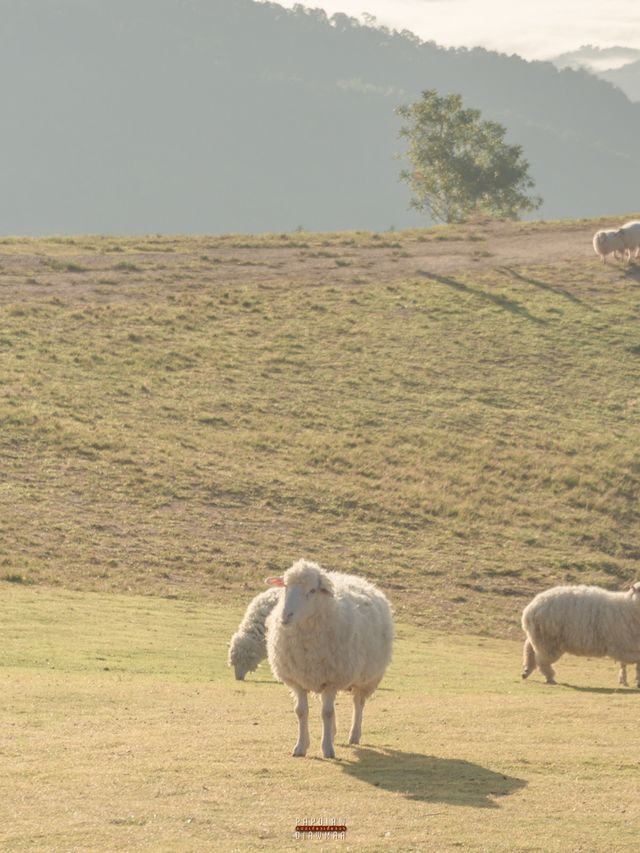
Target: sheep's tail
(528, 659)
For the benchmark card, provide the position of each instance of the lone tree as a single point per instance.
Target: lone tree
(461, 165)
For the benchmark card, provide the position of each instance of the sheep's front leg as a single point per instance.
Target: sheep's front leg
(328, 722)
(356, 722)
(638, 675)
(622, 676)
(302, 710)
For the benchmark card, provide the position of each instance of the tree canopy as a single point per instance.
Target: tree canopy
(461, 165)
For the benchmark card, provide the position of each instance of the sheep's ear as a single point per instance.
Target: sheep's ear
(274, 581)
(325, 585)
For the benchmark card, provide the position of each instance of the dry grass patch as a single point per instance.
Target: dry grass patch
(181, 427)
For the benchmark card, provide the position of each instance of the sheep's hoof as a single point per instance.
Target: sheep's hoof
(299, 752)
(526, 673)
(354, 741)
(551, 681)
(329, 753)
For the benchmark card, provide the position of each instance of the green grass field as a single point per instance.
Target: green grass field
(122, 729)
(183, 416)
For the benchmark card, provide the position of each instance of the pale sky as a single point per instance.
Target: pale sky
(536, 29)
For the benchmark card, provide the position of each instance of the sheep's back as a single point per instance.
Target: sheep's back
(258, 610)
(584, 621)
(630, 233)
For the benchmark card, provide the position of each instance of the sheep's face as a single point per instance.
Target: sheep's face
(635, 591)
(605, 242)
(300, 597)
(240, 671)
(238, 668)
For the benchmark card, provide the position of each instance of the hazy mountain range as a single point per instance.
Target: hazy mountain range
(618, 65)
(227, 115)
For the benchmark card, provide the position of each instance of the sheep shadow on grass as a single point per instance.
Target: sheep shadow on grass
(632, 271)
(430, 779)
(607, 691)
(544, 285)
(256, 682)
(496, 299)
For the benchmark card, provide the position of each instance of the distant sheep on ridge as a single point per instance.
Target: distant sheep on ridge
(619, 241)
(630, 234)
(607, 241)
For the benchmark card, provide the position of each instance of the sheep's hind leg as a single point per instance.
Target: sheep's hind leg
(356, 723)
(302, 711)
(528, 659)
(546, 669)
(328, 722)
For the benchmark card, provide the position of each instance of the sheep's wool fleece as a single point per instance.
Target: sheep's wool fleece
(345, 641)
(257, 611)
(630, 233)
(248, 645)
(584, 620)
(607, 241)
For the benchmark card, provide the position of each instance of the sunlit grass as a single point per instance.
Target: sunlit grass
(183, 416)
(175, 425)
(122, 728)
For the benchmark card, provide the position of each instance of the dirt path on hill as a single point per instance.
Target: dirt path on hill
(503, 246)
(80, 269)
(404, 255)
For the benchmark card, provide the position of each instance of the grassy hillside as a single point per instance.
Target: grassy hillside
(121, 729)
(184, 416)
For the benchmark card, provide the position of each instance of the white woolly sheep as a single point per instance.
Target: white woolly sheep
(581, 620)
(607, 241)
(248, 645)
(329, 632)
(630, 234)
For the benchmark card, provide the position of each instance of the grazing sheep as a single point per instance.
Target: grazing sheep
(328, 632)
(630, 234)
(581, 620)
(248, 645)
(622, 675)
(607, 241)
